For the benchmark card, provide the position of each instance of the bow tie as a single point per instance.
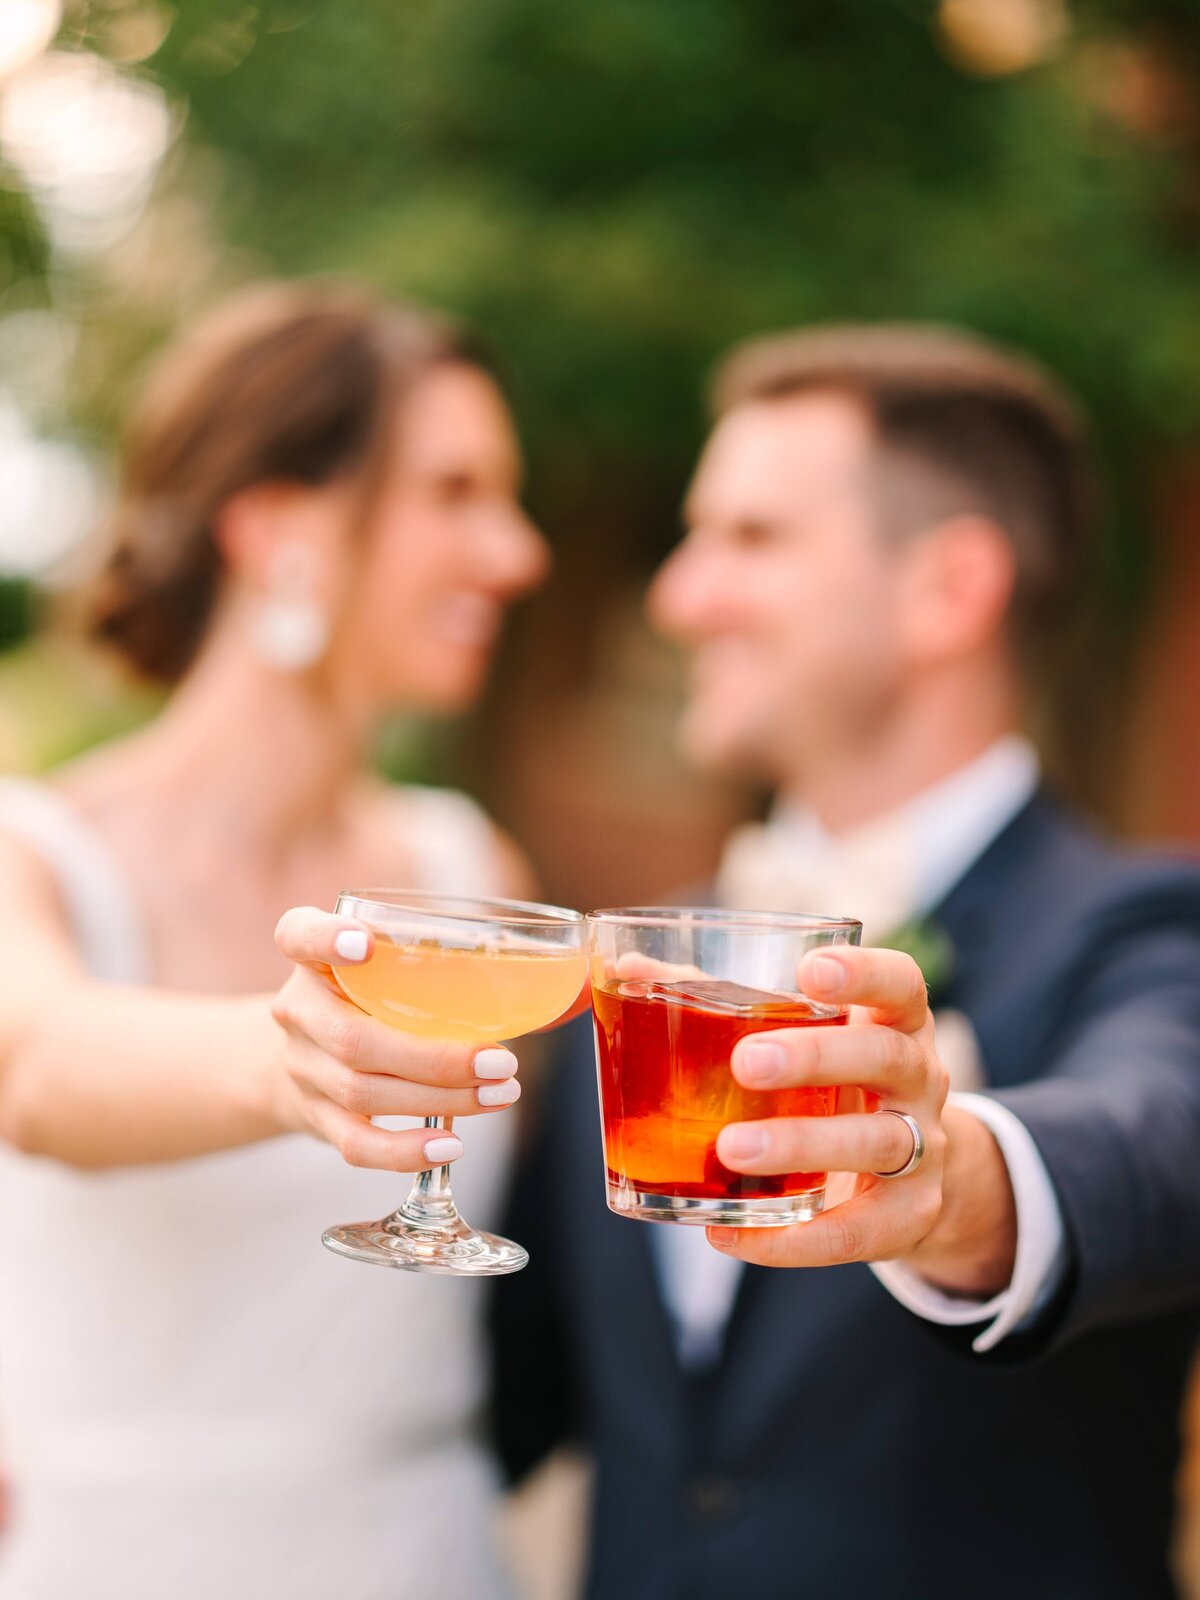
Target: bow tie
(790, 864)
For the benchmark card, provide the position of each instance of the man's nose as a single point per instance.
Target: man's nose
(688, 592)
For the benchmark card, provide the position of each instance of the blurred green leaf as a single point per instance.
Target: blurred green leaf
(17, 611)
(616, 191)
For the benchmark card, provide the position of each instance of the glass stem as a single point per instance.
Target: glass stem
(429, 1199)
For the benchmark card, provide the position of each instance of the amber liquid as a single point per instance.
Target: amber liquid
(467, 996)
(666, 1088)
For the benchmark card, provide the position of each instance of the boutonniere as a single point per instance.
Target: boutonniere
(931, 947)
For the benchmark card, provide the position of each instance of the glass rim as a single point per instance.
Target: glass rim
(464, 908)
(722, 917)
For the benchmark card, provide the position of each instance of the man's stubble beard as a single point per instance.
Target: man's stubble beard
(747, 755)
(768, 754)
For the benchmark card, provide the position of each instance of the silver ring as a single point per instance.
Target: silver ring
(918, 1149)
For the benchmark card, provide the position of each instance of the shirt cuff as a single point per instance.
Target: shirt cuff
(1041, 1256)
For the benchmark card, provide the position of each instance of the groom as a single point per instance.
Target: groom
(973, 1393)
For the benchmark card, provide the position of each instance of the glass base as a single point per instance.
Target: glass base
(450, 1246)
(778, 1212)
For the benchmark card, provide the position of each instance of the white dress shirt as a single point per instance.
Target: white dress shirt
(895, 869)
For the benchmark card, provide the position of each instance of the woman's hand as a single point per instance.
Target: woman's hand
(887, 1052)
(341, 1067)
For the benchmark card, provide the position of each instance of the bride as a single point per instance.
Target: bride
(318, 522)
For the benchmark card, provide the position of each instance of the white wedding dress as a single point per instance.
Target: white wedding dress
(196, 1399)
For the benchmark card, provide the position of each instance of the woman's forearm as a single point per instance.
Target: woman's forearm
(100, 1076)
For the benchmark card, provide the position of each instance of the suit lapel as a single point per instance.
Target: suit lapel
(739, 1371)
(771, 1335)
(982, 916)
(969, 910)
(776, 1345)
(655, 1330)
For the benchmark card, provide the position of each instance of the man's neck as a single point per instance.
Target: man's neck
(914, 752)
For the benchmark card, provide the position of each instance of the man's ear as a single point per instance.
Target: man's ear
(958, 579)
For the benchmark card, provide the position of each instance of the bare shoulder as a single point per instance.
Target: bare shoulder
(28, 881)
(514, 869)
(439, 835)
(33, 918)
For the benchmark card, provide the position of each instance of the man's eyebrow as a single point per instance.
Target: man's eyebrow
(753, 527)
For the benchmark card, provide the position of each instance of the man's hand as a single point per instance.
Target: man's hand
(953, 1218)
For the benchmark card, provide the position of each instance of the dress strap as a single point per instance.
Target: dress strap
(102, 913)
(450, 842)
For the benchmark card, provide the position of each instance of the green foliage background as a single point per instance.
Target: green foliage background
(616, 189)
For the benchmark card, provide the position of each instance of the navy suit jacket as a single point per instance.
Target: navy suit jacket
(841, 1446)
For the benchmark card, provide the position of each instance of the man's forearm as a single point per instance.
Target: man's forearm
(971, 1249)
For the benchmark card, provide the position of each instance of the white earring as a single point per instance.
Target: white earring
(289, 628)
(291, 634)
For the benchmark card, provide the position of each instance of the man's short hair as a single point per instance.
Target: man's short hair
(963, 427)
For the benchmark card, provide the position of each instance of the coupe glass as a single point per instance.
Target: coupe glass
(471, 972)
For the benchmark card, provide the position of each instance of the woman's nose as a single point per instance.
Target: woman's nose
(520, 558)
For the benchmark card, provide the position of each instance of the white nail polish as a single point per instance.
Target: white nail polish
(495, 1063)
(499, 1094)
(447, 1148)
(351, 944)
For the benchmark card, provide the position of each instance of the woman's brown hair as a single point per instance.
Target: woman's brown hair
(282, 383)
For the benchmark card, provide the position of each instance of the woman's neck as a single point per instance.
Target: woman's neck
(258, 759)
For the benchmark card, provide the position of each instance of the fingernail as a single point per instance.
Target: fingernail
(828, 975)
(499, 1094)
(722, 1238)
(742, 1142)
(495, 1063)
(760, 1061)
(351, 944)
(448, 1148)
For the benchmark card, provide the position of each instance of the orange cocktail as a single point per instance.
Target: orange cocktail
(666, 1088)
(674, 988)
(467, 996)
